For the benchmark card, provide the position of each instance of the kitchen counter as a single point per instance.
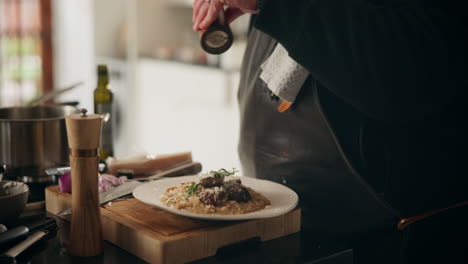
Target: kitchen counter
(382, 246)
(443, 245)
(303, 247)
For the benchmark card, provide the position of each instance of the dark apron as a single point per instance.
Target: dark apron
(299, 148)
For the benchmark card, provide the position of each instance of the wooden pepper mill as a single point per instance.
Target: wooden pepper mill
(83, 133)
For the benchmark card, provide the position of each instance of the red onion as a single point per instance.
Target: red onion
(65, 182)
(106, 182)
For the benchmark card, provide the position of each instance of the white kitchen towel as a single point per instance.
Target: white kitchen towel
(283, 75)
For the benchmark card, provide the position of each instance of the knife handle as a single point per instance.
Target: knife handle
(13, 235)
(147, 164)
(16, 250)
(187, 169)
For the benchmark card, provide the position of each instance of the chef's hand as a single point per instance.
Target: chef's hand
(205, 12)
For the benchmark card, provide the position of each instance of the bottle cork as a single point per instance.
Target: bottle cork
(83, 133)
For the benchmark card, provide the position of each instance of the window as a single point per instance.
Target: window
(25, 50)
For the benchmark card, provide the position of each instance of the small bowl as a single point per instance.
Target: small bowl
(13, 198)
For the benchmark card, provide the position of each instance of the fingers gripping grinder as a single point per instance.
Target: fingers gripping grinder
(218, 36)
(83, 133)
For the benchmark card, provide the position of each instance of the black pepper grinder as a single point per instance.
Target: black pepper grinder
(217, 38)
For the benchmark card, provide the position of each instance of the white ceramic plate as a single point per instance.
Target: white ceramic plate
(281, 197)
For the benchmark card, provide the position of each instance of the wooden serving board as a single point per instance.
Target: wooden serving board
(157, 236)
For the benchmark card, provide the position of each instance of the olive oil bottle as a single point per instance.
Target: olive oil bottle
(103, 99)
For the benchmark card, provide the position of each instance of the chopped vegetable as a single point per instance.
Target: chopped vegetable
(108, 182)
(65, 182)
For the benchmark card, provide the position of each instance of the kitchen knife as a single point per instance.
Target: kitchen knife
(20, 232)
(63, 170)
(10, 255)
(128, 187)
(12, 235)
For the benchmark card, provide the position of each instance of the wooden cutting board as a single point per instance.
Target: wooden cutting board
(157, 236)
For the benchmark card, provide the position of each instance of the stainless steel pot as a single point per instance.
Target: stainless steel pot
(2, 170)
(33, 139)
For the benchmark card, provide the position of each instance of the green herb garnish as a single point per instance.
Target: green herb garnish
(192, 189)
(223, 172)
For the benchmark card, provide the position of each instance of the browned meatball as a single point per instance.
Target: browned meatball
(213, 198)
(236, 191)
(210, 182)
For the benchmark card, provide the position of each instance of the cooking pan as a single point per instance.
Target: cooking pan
(33, 139)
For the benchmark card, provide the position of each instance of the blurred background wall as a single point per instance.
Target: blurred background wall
(170, 95)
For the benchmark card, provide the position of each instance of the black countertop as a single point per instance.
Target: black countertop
(302, 247)
(383, 246)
